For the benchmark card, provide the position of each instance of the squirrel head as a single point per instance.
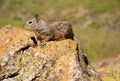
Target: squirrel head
(32, 24)
(35, 23)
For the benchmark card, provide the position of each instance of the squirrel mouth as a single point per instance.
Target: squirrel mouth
(29, 28)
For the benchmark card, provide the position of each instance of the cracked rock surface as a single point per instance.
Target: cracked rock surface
(21, 60)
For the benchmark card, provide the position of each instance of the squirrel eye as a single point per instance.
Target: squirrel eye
(30, 22)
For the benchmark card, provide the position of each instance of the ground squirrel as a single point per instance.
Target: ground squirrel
(54, 28)
(51, 28)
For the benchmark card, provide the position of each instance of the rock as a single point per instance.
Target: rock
(21, 60)
(13, 42)
(109, 68)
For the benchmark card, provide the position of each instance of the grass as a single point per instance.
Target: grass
(14, 22)
(41, 7)
(98, 43)
(99, 6)
(108, 79)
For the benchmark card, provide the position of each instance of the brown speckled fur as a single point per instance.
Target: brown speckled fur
(50, 28)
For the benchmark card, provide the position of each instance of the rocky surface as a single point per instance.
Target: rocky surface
(21, 60)
(109, 68)
(13, 42)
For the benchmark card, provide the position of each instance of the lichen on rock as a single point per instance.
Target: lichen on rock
(21, 60)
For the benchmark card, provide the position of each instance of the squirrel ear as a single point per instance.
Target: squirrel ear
(37, 17)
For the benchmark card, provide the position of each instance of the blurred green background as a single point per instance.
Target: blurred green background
(96, 23)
